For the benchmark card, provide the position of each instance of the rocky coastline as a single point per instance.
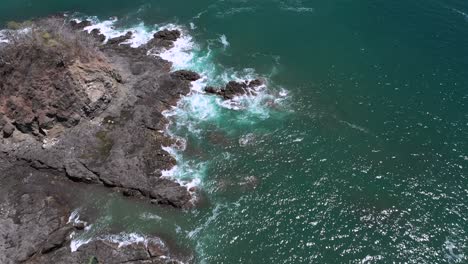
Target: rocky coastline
(82, 113)
(74, 113)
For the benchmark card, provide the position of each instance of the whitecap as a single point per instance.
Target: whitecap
(465, 15)
(121, 239)
(235, 11)
(224, 41)
(298, 9)
(3, 37)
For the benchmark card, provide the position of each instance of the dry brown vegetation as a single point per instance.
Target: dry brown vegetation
(51, 36)
(49, 74)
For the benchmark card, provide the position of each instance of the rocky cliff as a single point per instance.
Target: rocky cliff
(75, 111)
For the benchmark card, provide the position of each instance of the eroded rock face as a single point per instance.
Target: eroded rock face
(70, 117)
(34, 210)
(233, 89)
(98, 114)
(45, 84)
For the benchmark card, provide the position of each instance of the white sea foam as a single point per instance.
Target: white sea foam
(298, 9)
(224, 41)
(180, 55)
(465, 15)
(5, 34)
(75, 244)
(187, 174)
(235, 11)
(122, 240)
(141, 33)
(3, 37)
(149, 216)
(75, 218)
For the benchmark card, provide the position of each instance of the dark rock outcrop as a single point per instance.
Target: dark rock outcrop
(166, 34)
(164, 39)
(233, 89)
(96, 33)
(186, 75)
(120, 39)
(80, 25)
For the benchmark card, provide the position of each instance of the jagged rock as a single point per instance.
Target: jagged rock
(79, 225)
(78, 172)
(120, 39)
(57, 239)
(170, 193)
(186, 75)
(233, 89)
(156, 249)
(8, 130)
(80, 25)
(166, 34)
(164, 39)
(131, 193)
(96, 33)
(81, 88)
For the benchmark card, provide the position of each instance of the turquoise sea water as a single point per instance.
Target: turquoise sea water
(355, 152)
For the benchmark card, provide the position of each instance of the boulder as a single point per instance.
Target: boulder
(233, 89)
(120, 39)
(166, 34)
(79, 25)
(186, 75)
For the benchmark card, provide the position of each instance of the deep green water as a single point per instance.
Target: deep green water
(364, 161)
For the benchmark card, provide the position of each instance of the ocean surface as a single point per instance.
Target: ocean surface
(355, 150)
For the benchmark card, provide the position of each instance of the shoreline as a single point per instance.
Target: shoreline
(112, 132)
(121, 140)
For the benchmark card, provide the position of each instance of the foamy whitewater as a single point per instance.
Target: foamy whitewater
(141, 33)
(3, 38)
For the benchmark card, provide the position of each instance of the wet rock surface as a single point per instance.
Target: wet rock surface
(233, 89)
(68, 120)
(164, 38)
